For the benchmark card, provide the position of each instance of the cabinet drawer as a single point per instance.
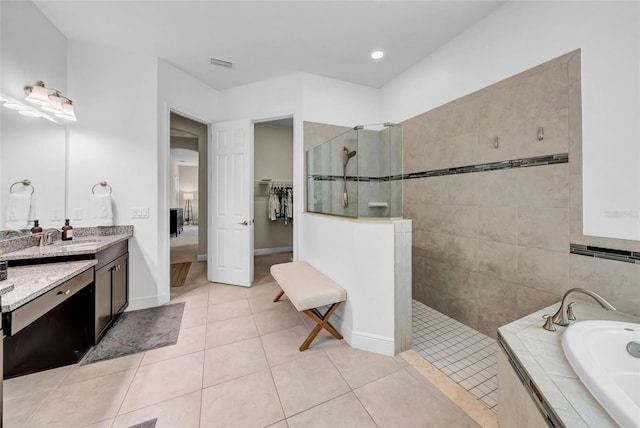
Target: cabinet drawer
(26, 314)
(110, 254)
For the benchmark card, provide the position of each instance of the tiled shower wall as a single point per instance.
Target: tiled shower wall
(491, 247)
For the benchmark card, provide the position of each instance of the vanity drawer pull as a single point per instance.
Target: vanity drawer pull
(64, 292)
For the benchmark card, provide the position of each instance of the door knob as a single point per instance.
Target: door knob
(244, 223)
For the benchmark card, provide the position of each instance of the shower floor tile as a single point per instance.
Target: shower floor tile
(467, 356)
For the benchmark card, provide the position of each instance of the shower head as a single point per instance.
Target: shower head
(348, 154)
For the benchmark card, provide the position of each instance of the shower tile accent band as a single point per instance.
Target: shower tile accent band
(605, 253)
(492, 166)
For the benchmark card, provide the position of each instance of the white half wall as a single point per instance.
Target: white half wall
(521, 35)
(360, 255)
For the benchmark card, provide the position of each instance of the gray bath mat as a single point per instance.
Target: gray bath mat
(151, 423)
(139, 331)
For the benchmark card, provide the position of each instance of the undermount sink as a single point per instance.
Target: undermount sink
(85, 244)
(606, 357)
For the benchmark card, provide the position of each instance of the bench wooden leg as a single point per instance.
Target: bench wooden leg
(322, 322)
(280, 294)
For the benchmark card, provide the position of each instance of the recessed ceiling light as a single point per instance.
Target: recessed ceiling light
(377, 54)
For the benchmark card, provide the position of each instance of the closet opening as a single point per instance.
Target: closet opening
(187, 202)
(273, 195)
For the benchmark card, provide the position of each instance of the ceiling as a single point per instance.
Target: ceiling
(266, 39)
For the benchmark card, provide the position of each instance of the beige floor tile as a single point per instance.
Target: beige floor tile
(261, 297)
(36, 382)
(228, 362)
(17, 411)
(193, 299)
(190, 340)
(228, 310)
(193, 317)
(341, 412)
(249, 401)
(403, 400)
(283, 346)
(230, 331)
(281, 424)
(102, 424)
(83, 403)
(283, 318)
(101, 368)
(222, 293)
(163, 381)
(307, 382)
(183, 412)
(361, 367)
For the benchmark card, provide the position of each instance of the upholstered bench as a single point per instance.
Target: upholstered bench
(308, 289)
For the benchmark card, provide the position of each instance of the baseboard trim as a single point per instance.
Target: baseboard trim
(261, 251)
(147, 302)
(202, 257)
(361, 340)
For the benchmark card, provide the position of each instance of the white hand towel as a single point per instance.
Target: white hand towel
(18, 209)
(101, 209)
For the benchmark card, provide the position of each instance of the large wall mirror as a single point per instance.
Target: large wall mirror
(31, 148)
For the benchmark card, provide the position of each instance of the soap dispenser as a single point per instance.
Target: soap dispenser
(36, 227)
(67, 231)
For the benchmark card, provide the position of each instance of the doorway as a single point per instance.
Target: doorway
(187, 203)
(273, 192)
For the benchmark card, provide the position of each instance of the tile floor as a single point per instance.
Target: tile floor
(236, 364)
(465, 355)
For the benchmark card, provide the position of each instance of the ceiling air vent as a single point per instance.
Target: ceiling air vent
(221, 63)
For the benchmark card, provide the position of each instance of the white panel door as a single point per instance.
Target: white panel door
(230, 251)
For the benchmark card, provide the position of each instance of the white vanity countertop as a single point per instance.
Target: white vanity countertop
(81, 245)
(539, 352)
(32, 281)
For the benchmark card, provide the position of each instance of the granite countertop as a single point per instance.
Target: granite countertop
(5, 287)
(78, 245)
(32, 281)
(539, 352)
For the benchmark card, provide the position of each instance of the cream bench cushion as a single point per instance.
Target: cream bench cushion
(307, 287)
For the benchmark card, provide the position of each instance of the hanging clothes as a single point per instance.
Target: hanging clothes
(281, 203)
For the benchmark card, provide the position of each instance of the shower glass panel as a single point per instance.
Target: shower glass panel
(357, 174)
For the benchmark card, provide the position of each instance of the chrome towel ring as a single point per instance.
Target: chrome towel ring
(102, 184)
(24, 183)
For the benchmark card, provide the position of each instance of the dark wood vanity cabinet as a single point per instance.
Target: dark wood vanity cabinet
(112, 287)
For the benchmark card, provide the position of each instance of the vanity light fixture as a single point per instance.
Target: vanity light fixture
(377, 54)
(50, 100)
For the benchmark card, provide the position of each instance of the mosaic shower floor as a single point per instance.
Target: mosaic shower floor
(467, 356)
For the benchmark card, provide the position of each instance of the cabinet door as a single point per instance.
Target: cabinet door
(104, 313)
(120, 285)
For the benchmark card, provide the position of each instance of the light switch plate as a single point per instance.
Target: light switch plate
(77, 213)
(56, 214)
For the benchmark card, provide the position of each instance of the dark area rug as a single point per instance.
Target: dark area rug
(151, 423)
(139, 331)
(178, 273)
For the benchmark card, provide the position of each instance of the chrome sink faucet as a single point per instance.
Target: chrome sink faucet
(562, 316)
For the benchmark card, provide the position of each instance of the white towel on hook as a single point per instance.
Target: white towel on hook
(18, 210)
(101, 209)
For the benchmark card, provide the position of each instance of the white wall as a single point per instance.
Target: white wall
(520, 35)
(115, 140)
(360, 256)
